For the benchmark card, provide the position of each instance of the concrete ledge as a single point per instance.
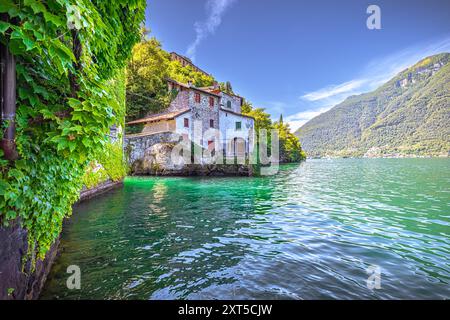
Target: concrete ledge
(101, 188)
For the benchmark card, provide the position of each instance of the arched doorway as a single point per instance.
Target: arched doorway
(237, 147)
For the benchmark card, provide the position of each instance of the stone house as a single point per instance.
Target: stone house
(185, 61)
(207, 116)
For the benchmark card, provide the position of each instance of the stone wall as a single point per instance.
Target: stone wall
(152, 155)
(181, 101)
(18, 279)
(202, 112)
(235, 102)
(135, 146)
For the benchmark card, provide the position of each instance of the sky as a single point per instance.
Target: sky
(300, 58)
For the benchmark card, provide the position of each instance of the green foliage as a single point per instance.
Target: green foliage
(409, 115)
(147, 73)
(110, 165)
(290, 147)
(187, 73)
(11, 291)
(66, 103)
(226, 87)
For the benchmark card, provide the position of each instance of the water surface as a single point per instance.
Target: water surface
(308, 233)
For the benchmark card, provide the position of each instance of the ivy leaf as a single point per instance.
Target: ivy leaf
(36, 6)
(10, 215)
(27, 41)
(3, 187)
(6, 5)
(4, 26)
(53, 19)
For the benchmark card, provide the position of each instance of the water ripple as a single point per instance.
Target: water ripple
(308, 233)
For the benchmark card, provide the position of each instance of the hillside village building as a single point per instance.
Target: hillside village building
(185, 61)
(195, 111)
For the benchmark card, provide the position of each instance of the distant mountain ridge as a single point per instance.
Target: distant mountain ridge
(409, 115)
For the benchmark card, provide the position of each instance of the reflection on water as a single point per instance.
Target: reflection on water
(309, 232)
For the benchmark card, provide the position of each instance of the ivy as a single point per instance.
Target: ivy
(68, 53)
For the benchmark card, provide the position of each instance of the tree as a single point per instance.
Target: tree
(147, 72)
(189, 74)
(226, 87)
(290, 147)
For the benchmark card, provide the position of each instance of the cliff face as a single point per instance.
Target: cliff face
(409, 115)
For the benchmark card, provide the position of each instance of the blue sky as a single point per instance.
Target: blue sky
(300, 58)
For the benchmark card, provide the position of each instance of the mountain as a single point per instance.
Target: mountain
(409, 115)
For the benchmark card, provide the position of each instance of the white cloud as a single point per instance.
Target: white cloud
(215, 10)
(299, 119)
(334, 90)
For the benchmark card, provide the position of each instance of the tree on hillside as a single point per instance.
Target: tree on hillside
(226, 87)
(188, 74)
(290, 147)
(147, 72)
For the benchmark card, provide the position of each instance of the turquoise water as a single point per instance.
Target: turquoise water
(308, 233)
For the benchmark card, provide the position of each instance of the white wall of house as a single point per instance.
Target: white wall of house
(180, 128)
(228, 130)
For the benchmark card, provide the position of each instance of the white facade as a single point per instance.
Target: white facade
(236, 132)
(181, 129)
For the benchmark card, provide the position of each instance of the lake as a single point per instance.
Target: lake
(317, 230)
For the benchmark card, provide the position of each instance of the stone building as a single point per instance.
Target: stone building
(206, 116)
(185, 61)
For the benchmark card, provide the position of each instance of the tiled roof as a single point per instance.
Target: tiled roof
(218, 91)
(160, 117)
(236, 113)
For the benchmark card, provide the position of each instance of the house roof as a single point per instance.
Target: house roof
(218, 91)
(160, 117)
(184, 85)
(236, 113)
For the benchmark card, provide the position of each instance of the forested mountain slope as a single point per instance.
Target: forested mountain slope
(409, 115)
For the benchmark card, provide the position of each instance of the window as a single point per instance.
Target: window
(211, 101)
(211, 123)
(229, 104)
(197, 97)
(238, 125)
(186, 122)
